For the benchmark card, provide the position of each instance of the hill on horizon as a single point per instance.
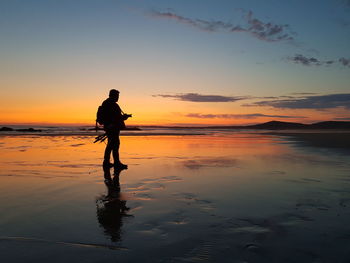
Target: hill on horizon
(271, 125)
(295, 125)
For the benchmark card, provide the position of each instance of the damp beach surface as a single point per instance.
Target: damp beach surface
(240, 197)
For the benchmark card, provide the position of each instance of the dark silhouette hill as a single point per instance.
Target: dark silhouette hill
(274, 125)
(277, 125)
(281, 125)
(19, 130)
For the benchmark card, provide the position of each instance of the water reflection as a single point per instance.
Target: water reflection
(256, 198)
(199, 163)
(110, 208)
(333, 142)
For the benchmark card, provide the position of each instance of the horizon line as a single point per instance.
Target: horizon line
(159, 125)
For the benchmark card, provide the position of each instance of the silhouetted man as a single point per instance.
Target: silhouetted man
(114, 122)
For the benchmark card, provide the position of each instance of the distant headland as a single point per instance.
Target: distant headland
(19, 130)
(275, 125)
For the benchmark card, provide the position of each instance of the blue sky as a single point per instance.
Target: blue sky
(62, 51)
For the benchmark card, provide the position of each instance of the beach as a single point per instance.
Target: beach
(211, 197)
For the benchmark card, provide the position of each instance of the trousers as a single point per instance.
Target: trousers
(113, 143)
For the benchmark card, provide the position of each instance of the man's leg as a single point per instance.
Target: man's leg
(108, 151)
(116, 144)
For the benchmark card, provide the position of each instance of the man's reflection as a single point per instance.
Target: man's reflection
(111, 208)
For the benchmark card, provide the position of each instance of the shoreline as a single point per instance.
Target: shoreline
(94, 135)
(291, 132)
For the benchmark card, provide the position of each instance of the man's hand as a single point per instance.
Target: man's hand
(126, 116)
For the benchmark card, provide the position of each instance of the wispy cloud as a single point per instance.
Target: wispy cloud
(303, 93)
(301, 100)
(265, 31)
(210, 26)
(312, 61)
(195, 97)
(345, 62)
(308, 61)
(308, 102)
(238, 116)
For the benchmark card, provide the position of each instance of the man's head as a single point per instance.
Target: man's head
(114, 94)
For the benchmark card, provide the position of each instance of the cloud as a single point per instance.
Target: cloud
(301, 59)
(195, 97)
(197, 23)
(345, 62)
(311, 61)
(265, 31)
(308, 102)
(238, 116)
(303, 93)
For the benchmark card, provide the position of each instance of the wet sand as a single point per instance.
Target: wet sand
(220, 198)
(322, 139)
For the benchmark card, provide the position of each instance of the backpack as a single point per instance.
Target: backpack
(101, 115)
(102, 118)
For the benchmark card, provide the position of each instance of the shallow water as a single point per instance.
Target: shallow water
(220, 198)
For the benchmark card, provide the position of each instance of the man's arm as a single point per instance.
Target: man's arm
(126, 116)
